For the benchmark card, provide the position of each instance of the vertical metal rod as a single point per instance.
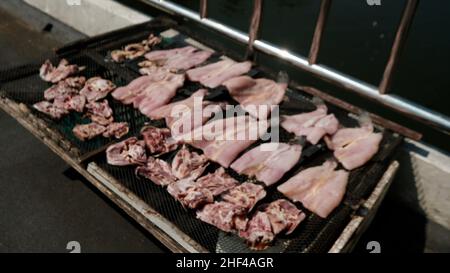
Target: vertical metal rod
(320, 26)
(254, 26)
(203, 8)
(400, 38)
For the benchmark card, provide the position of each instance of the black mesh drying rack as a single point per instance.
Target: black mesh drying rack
(21, 87)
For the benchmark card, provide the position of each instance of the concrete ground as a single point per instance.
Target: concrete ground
(43, 203)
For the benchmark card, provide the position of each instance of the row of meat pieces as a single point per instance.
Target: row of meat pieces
(166, 70)
(319, 183)
(188, 166)
(222, 140)
(80, 95)
(184, 182)
(155, 90)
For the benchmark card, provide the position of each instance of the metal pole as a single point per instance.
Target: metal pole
(254, 26)
(411, 109)
(400, 38)
(321, 20)
(203, 8)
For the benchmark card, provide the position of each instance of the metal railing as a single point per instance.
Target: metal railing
(378, 94)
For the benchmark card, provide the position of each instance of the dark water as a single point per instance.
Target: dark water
(357, 41)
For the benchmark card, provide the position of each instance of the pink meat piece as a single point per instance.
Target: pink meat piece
(268, 162)
(328, 125)
(163, 55)
(354, 147)
(158, 140)
(97, 88)
(168, 110)
(222, 215)
(314, 125)
(57, 90)
(133, 51)
(240, 222)
(127, 152)
(345, 136)
(49, 109)
(70, 102)
(88, 131)
(294, 124)
(76, 103)
(100, 112)
(215, 74)
(45, 72)
(256, 96)
(320, 189)
(76, 82)
(117, 130)
(245, 195)
(197, 197)
(69, 86)
(180, 188)
(217, 182)
(150, 92)
(259, 233)
(184, 116)
(279, 216)
(188, 165)
(187, 62)
(130, 52)
(223, 140)
(158, 94)
(189, 195)
(127, 93)
(195, 194)
(179, 58)
(188, 119)
(284, 216)
(49, 73)
(158, 171)
(359, 152)
(148, 68)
